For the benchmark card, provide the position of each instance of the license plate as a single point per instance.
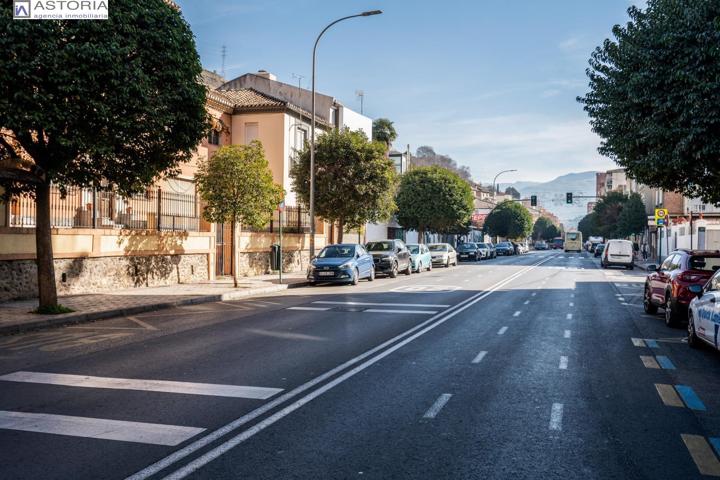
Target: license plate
(463, 256)
(326, 274)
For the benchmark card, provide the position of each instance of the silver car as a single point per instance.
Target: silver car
(443, 254)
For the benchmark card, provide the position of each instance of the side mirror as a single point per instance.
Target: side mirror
(696, 290)
(652, 268)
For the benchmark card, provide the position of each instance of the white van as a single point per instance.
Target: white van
(617, 253)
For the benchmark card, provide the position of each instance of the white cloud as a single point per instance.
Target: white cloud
(570, 44)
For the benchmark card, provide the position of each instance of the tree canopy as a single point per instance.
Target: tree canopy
(654, 99)
(434, 199)
(544, 229)
(383, 131)
(510, 220)
(88, 102)
(633, 217)
(425, 156)
(588, 225)
(236, 185)
(354, 181)
(607, 212)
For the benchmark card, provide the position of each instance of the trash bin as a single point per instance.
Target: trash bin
(275, 257)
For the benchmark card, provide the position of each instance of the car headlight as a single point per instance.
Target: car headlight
(346, 265)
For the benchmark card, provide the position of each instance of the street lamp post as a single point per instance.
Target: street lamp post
(312, 126)
(496, 176)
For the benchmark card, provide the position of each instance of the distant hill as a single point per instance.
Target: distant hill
(551, 195)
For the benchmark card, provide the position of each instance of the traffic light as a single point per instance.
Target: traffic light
(568, 197)
(533, 200)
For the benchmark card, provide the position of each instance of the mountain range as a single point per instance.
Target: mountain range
(552, 195)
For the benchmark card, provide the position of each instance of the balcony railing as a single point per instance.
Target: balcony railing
(89, 208)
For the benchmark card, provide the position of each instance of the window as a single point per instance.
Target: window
(252, 132)
(301, 136)
(709, 264)
(669, 263)
(214, 137)
(334, 117)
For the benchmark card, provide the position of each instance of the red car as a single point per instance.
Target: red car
(667, 287)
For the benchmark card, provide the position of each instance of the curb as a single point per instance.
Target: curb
(75, 318)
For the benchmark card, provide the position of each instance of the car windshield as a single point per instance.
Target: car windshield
(504, 244)
(572, 236)
(709, 264)
(338, 251)
(468, 245)
(379, 246)
(482, 245)
(414, 249)
(438, 248)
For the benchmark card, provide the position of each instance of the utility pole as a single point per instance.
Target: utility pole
(223, 54)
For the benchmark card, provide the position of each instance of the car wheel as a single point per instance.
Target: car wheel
(408, 270)
(630, 267)
(356, 277)
(394, 271)
(693, 339)
(372, 275)
(647, 302)
(429, 267)
(447, 263)
(670, 314)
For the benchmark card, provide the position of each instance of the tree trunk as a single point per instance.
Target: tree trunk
(341, 230)
(233, 253)
(421, 235)
(331, 240)
(47, 291)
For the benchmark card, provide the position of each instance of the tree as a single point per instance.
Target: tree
(91, 103)
(607, 212)
(236, 185)
(512, 191)
(633, 218)
(544, 229)
(425, 156)
(510, 220)
(383, 131)
(354, 181)
(434, 199)
(588, 225)
(658, 118)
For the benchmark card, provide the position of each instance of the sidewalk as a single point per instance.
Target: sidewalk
(16, 316)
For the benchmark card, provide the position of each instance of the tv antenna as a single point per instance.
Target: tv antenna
(223, 54)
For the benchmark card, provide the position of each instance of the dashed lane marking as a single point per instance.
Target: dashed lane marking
(571, 304)
(187, 388)
(310, 309)
(665, 362)
(526, 302)
(373, 304)
(502, 330)
(638, 342)
(556, 415)
(567, 334)
(690, 398)
(649, 361)
(387, 310)
(569, 316)
(668, 395)
(563, 363)
(137, 432)
(702, 454)
(479, 357)
(533, 294)
(437, 406)
(651, 343)
(517, 313)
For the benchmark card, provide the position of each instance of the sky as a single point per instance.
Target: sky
(493, 84)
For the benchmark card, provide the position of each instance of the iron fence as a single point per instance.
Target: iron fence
(294, 220)
(90, 208)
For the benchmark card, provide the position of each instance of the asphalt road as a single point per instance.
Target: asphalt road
(535, 366)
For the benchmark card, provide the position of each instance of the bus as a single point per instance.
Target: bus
(573, 242)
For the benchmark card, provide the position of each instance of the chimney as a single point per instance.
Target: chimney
(266, 74)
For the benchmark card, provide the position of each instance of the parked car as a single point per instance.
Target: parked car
(617, 253)
(668, 286)
(420, 257)
(493, 251)
(341, 263)
(484, 250)
(443, 254)
(505, 248)
(558, 243)
(704, 313)
(469, 251)
(599, 248)
(541, 245)
(390, 257)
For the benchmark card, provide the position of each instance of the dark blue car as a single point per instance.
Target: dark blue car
(341, 263)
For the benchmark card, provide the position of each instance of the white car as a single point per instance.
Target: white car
(704, 313)
(443, 254)
(617, 253)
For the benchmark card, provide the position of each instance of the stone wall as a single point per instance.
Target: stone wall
(18, 278)
(258, 263)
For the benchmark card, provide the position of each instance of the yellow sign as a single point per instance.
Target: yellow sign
(660, 213)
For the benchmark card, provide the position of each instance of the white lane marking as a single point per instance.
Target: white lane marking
(141, 323)
(502, 330)
(567, 334)
(479, 357)
(638, 342)
(621, 299)
(556, 414)
(572, 295)
(384, 310)
(568, 316)
(526, 302)
(649, 361)
(311, 309)
(571, 304)
(563, 363)
(137, 432)
(437, 406)
(533, 294)
(702, 454)
(371, 304)
(517, 314)
(187, 388)
(402, 339)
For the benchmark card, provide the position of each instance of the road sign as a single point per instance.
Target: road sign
(661, 217)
